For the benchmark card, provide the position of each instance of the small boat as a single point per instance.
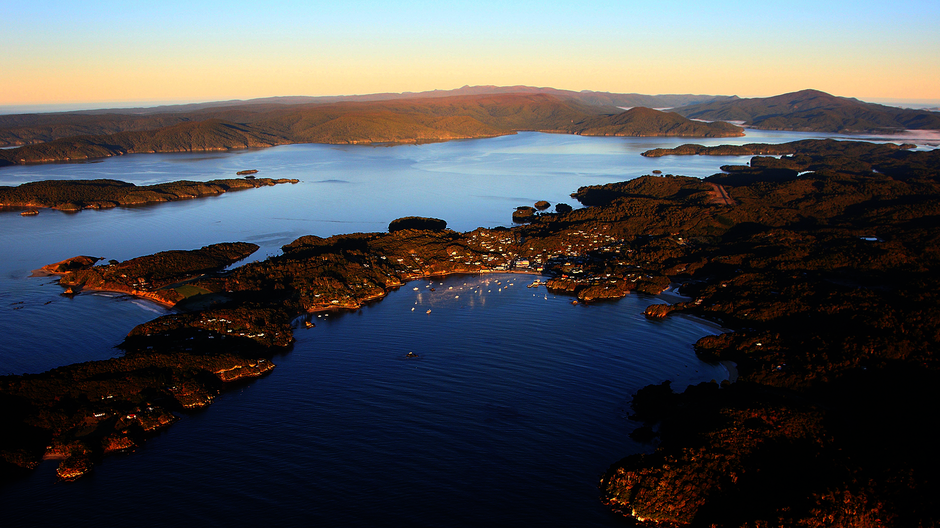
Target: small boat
(31, 212)
(429, 310)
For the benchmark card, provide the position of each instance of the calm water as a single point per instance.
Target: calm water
(513, 410)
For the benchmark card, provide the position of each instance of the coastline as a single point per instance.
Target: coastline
(133, 293)
(812, 352)
(148, 296)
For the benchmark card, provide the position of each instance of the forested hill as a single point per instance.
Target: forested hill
(814, 111)
(130, 118)
(396, 121)
(25, 129)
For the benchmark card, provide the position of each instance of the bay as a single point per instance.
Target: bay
(514, 408)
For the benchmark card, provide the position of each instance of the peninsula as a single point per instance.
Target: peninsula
(75, 195)
(824, 266)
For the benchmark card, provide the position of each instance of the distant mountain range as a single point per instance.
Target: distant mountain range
(813, 111)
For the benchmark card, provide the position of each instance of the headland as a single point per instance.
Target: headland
(75, 195)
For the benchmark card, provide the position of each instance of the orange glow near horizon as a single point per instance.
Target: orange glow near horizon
(187, 83)
(63, 53)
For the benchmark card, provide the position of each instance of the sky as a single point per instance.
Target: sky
(102, 53)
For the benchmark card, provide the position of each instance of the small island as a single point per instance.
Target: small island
(822, 264)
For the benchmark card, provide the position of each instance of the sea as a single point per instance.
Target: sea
(515, 405)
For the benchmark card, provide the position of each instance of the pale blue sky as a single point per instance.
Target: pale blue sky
(93, 52)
